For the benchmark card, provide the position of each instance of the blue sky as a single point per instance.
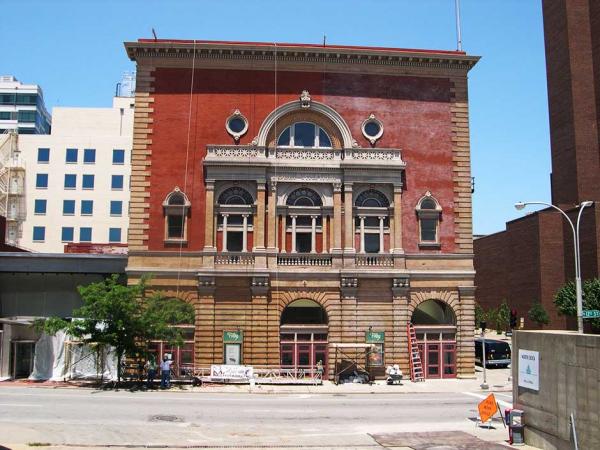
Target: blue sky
(74, 50)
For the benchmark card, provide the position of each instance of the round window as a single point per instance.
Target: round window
(372, 129)
(236, 125)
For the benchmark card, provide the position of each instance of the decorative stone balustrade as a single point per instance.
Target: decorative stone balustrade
(374, 261)
(304, 260)
(234, 259)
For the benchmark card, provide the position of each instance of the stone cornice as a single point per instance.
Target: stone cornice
(251, 55)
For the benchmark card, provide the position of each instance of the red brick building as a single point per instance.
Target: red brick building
(533, 258)
(303, 195)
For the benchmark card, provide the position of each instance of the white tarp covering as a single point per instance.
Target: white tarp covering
(56, 359)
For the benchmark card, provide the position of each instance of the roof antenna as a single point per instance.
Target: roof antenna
(154, 34)
(324, 39)
(458, 33)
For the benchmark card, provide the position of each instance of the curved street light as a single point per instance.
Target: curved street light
(575, 228)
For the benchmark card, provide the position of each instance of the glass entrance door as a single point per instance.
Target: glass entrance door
(23, 353)
(438, 353)
(303, 350)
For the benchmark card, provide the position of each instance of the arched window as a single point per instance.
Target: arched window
(304, 197)
(429, 213)
(176, 208)
(235, 196)
(234, 219)
(372, 220)
(372, 198)
(304, 134)
(304, 219)
(433, 312)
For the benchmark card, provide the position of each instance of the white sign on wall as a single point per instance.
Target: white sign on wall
(231, 371)
(529, 369)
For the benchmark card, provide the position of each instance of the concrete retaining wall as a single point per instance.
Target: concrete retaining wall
(569, 383)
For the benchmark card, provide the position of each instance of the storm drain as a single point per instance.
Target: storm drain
(165, 418)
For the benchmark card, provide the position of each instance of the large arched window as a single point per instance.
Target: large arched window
(429, 213)
(304, 134)
(176, 207)
(235, 196)
(304, 214)
(433, 312)
(234, 218)
(304, 197)
(372, 220)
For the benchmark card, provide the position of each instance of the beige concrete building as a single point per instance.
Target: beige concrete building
(76, 179)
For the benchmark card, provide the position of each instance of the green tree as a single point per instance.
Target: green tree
(479, 315)
(491, 316)
(122, 317)
(566, 299)
(538, 314)
(503, 319)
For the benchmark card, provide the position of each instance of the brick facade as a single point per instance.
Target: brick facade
(186, 92)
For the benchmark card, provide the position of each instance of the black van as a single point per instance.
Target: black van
(497, 353)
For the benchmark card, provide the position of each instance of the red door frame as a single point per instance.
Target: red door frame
(443, 349)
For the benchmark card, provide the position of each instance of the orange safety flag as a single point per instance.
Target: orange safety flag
(487, 408)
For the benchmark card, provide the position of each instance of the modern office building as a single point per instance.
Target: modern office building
(532, 259)
(77, 178)
(22, 107)
(302, 197)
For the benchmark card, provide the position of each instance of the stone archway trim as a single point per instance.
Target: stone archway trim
(297, 105)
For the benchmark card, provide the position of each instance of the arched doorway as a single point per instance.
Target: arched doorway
(303, 335)
(435, 326)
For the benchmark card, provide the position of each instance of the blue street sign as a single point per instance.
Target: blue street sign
(591, 314)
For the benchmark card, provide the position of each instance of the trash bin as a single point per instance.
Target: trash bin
(516, 430)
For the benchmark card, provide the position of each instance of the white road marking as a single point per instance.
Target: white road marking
(28, 405)
(482, 396)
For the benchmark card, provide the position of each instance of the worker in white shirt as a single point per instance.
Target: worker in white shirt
(165, 372)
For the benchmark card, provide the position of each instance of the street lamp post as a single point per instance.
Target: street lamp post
(575, 229)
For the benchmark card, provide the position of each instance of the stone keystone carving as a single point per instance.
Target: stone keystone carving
(206, 282)
(260, 281)
(305, 99)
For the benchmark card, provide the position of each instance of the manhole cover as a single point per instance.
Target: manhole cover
(165, 418)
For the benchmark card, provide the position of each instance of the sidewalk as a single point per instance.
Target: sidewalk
(497, 380)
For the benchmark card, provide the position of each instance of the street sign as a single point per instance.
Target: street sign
(487, 408)
(591, 314)
(529, 369)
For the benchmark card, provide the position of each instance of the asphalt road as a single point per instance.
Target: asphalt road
(82, 417)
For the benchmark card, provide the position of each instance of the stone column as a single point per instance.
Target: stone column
(381, 235)
(259, 220)
(272, 218)
(293, 234)
(348, 220)
(337, 217)
(362, 234)
(398, 219)
(205, 341)
(325, 248)
(465, 348)
(283, 233)
(224, 249)
(400, 318)
(209, 230)
(245, 233)
(313, 234)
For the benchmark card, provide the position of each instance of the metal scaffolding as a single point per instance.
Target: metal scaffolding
(12, 186)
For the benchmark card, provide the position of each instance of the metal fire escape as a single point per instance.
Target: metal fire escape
(12, 186)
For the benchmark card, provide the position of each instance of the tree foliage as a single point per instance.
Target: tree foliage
(479, 315)
(503, 317)
(123, 317)
(538, 314)
(566, 299)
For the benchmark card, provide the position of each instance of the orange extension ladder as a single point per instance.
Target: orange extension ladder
(416, 368)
